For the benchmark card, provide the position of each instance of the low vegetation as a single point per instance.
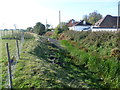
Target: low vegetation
(88, 60)
(97, 51)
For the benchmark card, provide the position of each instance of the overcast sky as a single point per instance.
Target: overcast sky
(26, 13)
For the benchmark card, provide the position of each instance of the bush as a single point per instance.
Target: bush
(60, 28)
(115, 53)
(39, 28)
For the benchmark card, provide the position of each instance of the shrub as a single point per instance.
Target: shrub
(39, 28)
(115, 53)
(60, 28)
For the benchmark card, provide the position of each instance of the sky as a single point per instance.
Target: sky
(26, 13)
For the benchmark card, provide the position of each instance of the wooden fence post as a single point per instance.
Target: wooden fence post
(1, 33)
(4, 32)
(9, 66)
(12, 32)
(18, 51)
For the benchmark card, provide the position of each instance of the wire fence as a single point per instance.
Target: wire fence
(0, 63)
(14, 56)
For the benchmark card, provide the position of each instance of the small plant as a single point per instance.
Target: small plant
(115, 53)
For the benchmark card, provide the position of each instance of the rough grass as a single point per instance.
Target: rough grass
(43, 65)
(94, 52)
(3, 59)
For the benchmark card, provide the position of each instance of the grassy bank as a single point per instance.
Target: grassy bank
(106, 69)
(79, 65)
(95, 51)
(44, 65)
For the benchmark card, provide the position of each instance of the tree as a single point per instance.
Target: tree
(85, 17)
(39, 28)
(30, 29)
(47, 26)
(92, 17)
(61, 27)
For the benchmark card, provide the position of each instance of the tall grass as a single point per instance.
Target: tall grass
(107, 69)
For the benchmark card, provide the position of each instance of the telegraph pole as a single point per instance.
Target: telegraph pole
(46, 25)
(118, 15)
(60, 18)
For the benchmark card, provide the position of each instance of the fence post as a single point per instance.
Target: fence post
(4, 32)
(12, 32)
(18, 51)
(9, 66)
(22, 37)
(1, 64)
(1, 33)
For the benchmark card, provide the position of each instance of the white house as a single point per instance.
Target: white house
(79, 26)
(108, 23)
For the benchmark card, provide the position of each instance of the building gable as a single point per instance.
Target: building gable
(107, 22)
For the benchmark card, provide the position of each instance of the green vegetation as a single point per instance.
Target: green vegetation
(17, 35)
(42, 66)
(97, 51)
(92, 17)
(106, 69)
(29, 29)
(39, 28)
(3, 59)
(60, 28)
(88, 60)
(11, 40)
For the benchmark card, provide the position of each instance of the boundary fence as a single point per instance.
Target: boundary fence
(13, 57)
(0, 63)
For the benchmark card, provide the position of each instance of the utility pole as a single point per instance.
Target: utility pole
(60, 18)
(46, 25)
(118, 15)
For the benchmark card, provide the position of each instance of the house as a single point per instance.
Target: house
(108, 23)
(79, 26)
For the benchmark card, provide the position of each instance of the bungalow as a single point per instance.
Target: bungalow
(79, 26)
(108, 23)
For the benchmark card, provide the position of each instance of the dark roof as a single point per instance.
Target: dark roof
(108, 21)
(83, 23)
(72, 22)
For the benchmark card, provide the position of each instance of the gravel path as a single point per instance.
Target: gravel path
(53, 41)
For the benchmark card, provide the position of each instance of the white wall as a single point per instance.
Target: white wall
(78, 28)
(104, 29)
